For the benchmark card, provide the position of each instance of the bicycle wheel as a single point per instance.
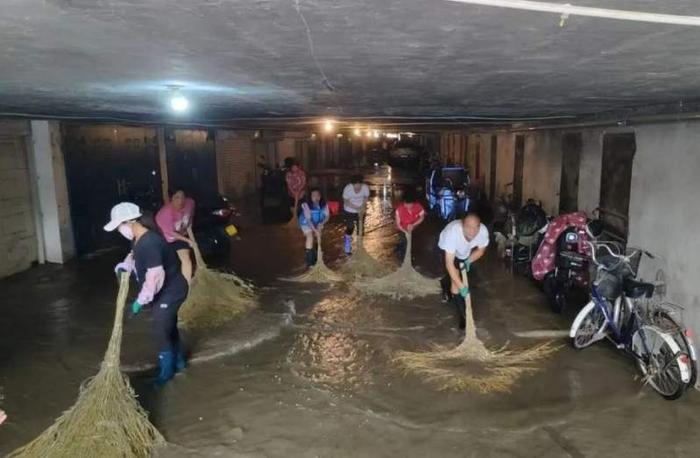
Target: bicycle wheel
(664, 321)
(661, 361)
(588, 327)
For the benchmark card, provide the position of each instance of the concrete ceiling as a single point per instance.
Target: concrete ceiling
(359, 58)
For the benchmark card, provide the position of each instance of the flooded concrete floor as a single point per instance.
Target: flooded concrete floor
(312, 372)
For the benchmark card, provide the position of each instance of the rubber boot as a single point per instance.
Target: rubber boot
(445, 284)
(166, 362)
(314, 256)
(458, 301)
(309, 257)
(180, 361)
(347, 241)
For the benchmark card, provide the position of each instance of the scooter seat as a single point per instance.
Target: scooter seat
(635, 289)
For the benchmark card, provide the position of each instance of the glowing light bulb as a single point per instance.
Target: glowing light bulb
(179, 103)
(328, 125)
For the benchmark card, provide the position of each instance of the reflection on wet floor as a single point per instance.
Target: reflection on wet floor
(312, 373)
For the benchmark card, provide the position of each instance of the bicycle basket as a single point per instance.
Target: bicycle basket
(610, 279)
(609, 284)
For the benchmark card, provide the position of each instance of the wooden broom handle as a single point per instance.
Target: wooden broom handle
(197, 254)
(113, 353)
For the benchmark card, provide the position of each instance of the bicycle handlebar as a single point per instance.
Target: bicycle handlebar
(627, 259)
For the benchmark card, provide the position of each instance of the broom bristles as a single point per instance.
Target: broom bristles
(214, 297)
(361, 264)
(478, 370)
(471, 365)
(319, 272)
(106, 420)
(404, 283)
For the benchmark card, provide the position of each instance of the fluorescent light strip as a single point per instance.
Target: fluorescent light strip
(571, 10)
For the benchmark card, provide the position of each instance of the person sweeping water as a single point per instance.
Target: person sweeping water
(312, 215)
(296, 185)
(173, 220)
(355, 196)
(163, 286)
(409, 214)
(464, 242)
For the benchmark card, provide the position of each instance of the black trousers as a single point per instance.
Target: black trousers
(351, 219)
(165, 324)
(446, 281)
(400, 249)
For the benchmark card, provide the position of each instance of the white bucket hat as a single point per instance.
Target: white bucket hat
(122, 212)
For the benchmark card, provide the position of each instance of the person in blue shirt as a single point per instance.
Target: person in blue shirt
(313, 214)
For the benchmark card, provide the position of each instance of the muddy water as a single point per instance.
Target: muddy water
(312, 372)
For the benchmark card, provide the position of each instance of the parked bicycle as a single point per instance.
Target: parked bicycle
(613, 313)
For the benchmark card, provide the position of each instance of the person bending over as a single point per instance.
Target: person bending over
(173, 220)
(156, 268)
(464, 242)
(313, 214)
(355, 196)
(409, 214)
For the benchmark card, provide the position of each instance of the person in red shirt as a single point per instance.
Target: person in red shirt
(409, 214)
(296, 185)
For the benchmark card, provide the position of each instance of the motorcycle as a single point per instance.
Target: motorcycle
(450, 195)
(562, 260)
(213, 225)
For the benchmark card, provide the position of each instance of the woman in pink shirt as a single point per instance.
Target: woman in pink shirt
(173, 220)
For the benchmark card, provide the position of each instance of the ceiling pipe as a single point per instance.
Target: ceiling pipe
(567, 10)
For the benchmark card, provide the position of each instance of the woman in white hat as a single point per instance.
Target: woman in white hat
(157, 270)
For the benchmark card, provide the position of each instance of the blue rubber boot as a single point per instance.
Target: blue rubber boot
(180, 361)
(347, 240)
(166, 362)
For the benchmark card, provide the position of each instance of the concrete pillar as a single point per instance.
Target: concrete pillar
(163, 160)
(49, 173)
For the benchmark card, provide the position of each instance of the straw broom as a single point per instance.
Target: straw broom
(319, 272)
(471, 366)
(214, 297)
(361, 264)
(106, 420)
(404, 283)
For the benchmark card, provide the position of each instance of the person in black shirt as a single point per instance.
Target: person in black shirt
(156, 268)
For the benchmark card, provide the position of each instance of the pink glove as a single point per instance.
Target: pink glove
(3, 416)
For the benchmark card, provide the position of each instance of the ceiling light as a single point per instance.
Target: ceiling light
(375, 134)
(357, 132)
(179, 103)
(328, 125)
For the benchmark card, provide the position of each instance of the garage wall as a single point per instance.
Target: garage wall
(18, 242)
(589, 173)
(542, 170)
(664, 213)
(505, 163)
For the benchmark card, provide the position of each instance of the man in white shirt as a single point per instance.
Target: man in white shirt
(464, 242)
(355, 196)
